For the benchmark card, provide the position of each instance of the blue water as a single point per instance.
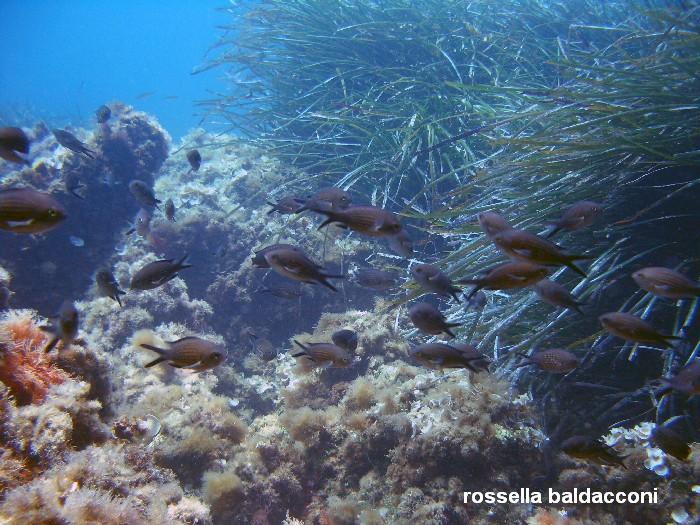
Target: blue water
(64, 58)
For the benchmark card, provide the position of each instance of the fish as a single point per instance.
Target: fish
(665, 282)
(14, 141)
(258, 259)
(263, 348)
(326, 199)
(441, 355)
(556, 361)
(195, 160)
(632, 328)
(157, 273)
(430, 320)
(141, 224)
(72, 182)
(64, 327)
(477, 302)
(478, 361)
(367, 220)
(580, 215)
(71, 142)
(78, 242)
(557, 295)
(283, 291)
(686, 380)
(5, 294)
(108, 286)
(295, 265)
(671, 442)
(586, 447)
(493, 223)
(521, 245)
(375, 279)
(507, 276)
(143, 194)
(324, 354)
(103, 114)
(284, 206)
(431, 278)
(346, 339)
(191, 353)
(26, 210)
(170, 210)
(401, 244)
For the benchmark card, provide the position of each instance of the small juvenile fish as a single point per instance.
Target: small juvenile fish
(493, 223)
(263, 348)
(282, 291)
(556, 295)
(73, 183)
(195, 159)
(295, 265)
(258, 259)
(632, 328)
(687, 380)
(157, 273)
(324, 354)
(556, 361)
(477, 302)
(432, 279)
(25, 210)
(346, 339)
(585, 447)
(64, 327)
(284, 206)
(507, 276)
(108, 286)
(170, 210)
(191, 353)
(142, 223)
(441, 355)
(579, 215)
(71, 142)
(326, 199)
(375, 279)
(401, 244)
(528, 247)
(665, 282)
(78, 242)
(143, 194)
(367, 220)
(103, 114)
(430, 320)
(670, 442)
(13, 141)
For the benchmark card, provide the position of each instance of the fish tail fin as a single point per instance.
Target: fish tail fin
(303, 347)
(325, 283)
(554, 230)
(53, 342)
(154, 362)
(450, 332)
(474, 290)
(577, 308)
(325, 223)
(118, 299)
(569, 264)
(182, 263)
(527, 361)
(274, 207)
(453, 292)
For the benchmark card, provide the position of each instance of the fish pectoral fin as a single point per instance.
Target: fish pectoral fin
(291, 269)
(193, 366)
(517, 277)
(524, 252)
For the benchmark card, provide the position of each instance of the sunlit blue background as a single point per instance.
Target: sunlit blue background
(62, 59)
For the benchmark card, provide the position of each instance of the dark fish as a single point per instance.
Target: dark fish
(170, 210)
(282, 291)
(441, 355)
(326, 199)
(585, 447)
(4, 297)
(430, 320)
(258, 259)
(195, 159)
(324, 354)
(556, 295)
(103, 114)
(632, 328)
(64, 327)
(508, 276)
(25, 210)
(579, 215)
(73, 184)
(375, 279)
(295, 265)
(346, 339)
(284, 206)
(368, 220)
(492, 223)
(71, 142)
(142, 223)
(477, 302)
(687, 380)
(157, 273)
(12, 142)
(432, 279)
(665, 282)
(556, 361)
(263, 348)
(671, 442)
(401, 244)
(108, 286)
(528, 247)
(190, 352)
(143, 194)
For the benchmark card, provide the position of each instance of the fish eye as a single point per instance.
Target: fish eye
(52, 213)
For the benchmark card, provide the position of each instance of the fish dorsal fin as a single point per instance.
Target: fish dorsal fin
(189, 337)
